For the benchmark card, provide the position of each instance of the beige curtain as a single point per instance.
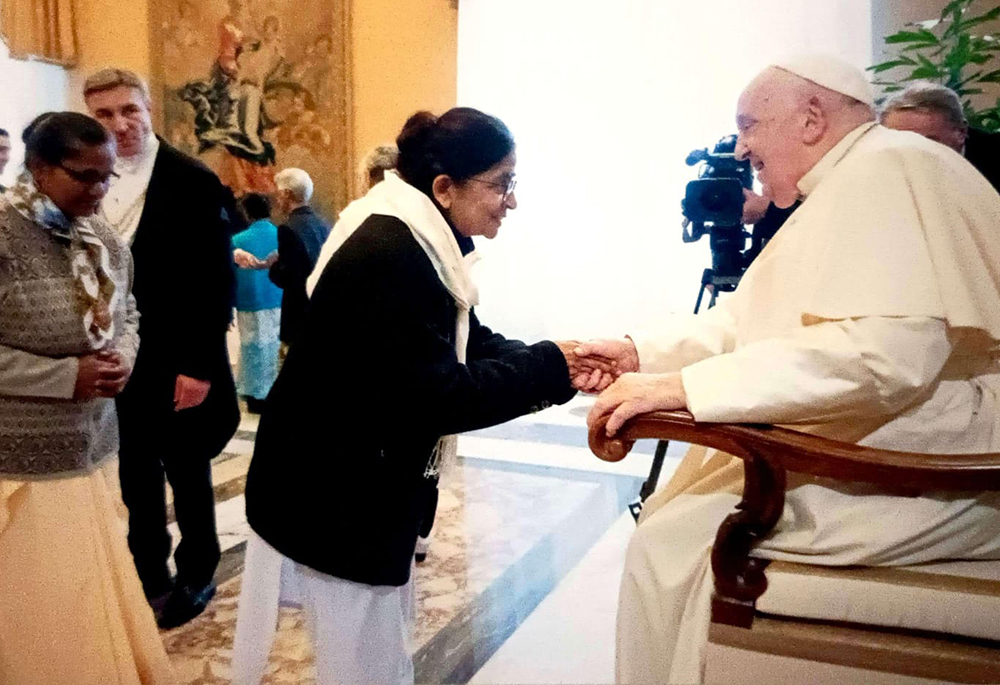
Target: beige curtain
(40, 29)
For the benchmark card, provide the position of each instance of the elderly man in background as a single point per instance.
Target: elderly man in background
(4, 153)
(300, 238)
(179, 408)
(871, 317)
(935, 111)
(371, 170)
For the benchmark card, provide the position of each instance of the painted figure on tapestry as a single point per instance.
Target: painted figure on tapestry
(253, 85)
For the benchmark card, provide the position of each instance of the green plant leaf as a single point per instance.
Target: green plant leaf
(886, 66)
(931, 72)
(946, 51)
(925, 62)
(951, 7)
(970, 78)
(923, 36)
(967, 24)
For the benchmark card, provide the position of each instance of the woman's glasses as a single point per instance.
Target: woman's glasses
(90, 177)
(505, 188)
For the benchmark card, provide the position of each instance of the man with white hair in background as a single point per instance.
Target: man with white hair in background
(935, 111)
(300, 238)
(871, 317)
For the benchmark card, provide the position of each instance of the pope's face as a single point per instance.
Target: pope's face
(768, 120)
(933, 125)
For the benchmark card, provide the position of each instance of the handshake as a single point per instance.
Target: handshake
(611, 367)
(596, 364)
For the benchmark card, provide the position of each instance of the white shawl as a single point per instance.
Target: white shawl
(395, 197)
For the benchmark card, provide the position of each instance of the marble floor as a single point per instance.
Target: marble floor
(529, 522)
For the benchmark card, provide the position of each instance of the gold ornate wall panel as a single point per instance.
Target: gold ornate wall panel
(253, 86)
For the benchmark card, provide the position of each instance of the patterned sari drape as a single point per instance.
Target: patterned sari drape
(40, 29)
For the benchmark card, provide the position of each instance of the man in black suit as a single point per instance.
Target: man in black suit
(935, 111)
(299, 241)
(179, 408)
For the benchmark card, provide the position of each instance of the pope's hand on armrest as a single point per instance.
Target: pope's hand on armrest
(637, 393)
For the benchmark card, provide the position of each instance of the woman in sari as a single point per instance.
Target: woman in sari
(72, 609)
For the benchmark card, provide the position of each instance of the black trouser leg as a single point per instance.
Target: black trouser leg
(144, 493)
(198, 553)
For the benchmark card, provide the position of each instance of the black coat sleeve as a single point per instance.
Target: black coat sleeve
(292, 267)
(404, 321)
(205, 283)
(484, 343)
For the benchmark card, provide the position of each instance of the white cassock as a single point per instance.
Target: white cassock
(873, 316)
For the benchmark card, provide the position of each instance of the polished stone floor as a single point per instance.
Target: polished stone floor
(521, 581)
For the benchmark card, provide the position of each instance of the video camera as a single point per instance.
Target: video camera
(713, 204)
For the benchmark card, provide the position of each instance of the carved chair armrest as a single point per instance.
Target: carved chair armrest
(768, 453)
(808, 454)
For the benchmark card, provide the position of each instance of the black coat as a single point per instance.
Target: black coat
(300, 239)
(336, 481)
(982, 149)
(183, 286)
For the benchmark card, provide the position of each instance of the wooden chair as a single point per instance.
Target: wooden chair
(784, 622)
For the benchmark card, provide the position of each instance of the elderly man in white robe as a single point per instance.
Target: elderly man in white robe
(873, 316)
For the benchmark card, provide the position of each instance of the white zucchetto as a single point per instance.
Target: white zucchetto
(830, 72)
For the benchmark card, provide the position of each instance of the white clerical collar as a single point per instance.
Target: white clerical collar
(824, 166)
(135, 163)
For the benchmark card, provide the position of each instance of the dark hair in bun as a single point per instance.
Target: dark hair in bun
(460, 143)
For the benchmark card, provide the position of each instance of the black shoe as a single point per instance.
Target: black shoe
(184, 604)
(255, 406)
(159, 603)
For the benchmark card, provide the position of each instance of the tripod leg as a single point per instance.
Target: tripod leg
(701, 292)
(654, 475)
(654, 469)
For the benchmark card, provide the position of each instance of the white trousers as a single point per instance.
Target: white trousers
(361, 633)
(665, 601)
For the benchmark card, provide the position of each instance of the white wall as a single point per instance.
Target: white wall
(26, 90)
(605, 99)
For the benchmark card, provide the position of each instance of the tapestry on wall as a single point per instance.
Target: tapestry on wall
(253, 86)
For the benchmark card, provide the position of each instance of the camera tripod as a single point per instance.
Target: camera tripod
(714, 283)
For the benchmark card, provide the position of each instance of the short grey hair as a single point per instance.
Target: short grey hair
(297, 182)
(379, 159)
(928, 97)
(111, 78)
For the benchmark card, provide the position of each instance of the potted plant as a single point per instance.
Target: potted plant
(948, 50)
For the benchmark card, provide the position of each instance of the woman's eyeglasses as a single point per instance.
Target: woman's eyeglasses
(505, 188)
(90, 177)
